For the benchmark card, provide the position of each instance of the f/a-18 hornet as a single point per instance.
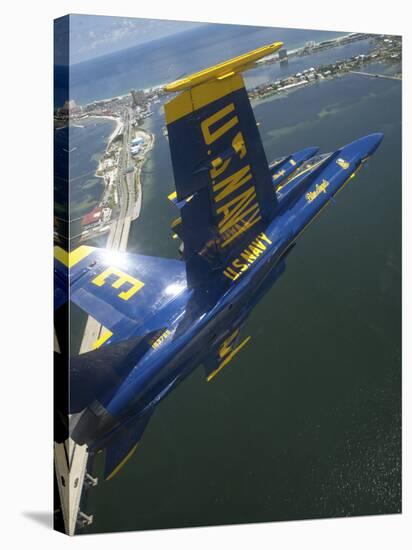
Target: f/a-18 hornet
(239, 219)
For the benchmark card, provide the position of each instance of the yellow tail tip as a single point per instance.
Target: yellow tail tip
(226, 68)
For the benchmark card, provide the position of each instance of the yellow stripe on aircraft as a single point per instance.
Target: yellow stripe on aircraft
(224, 69)
(208, 85)
(173, 196)
(106, 334)
(122, 463)
(199, 96)
(176, 222)
(69, 259)
(228, 358)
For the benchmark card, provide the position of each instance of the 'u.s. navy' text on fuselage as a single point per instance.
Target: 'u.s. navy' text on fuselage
(247, 257)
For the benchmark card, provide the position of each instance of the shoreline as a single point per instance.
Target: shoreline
(112, 173)
(270, 59)
(138, 203)
(127, 185)
(380, 54)
(119, 173)
(116, 131)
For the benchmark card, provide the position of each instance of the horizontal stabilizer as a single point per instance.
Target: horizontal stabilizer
(121, 291)
(173, 198)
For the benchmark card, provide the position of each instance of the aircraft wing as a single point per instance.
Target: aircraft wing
(122, 291)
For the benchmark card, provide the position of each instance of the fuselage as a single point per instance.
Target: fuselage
(199, 320)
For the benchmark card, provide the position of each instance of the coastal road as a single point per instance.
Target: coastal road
(119, 231)
(125, 191)
(120, 228)
(130, 196)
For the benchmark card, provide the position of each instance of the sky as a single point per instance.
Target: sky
(95, 35)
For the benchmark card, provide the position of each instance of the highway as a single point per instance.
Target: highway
(119, 231)
(72, 461)
(126, 191)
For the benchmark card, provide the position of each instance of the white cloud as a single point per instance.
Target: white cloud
(93, 35)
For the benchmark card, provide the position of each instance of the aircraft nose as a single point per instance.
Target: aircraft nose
(363, 147)
(369, 144)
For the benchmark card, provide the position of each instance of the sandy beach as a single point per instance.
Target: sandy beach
(116, 131)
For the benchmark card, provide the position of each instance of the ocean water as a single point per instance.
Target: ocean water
(169, 58)
(86, 142)
(305, 422)
(298, 64)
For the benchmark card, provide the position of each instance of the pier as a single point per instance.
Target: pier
(387, 76)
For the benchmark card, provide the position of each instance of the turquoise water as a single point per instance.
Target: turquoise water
(305, 422)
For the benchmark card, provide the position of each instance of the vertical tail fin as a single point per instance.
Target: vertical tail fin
(222, 178)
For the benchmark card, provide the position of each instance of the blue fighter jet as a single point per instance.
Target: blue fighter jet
(239, 219)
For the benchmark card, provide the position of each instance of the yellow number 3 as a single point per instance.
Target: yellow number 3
(122, 278)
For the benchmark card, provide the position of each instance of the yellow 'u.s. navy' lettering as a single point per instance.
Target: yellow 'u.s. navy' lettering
(237, 209)
(247, 257)
(236, 205)
(218, 167)
(211, 135)
(231, 183)
(122, 279)
(242, 227)
(238, 144)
